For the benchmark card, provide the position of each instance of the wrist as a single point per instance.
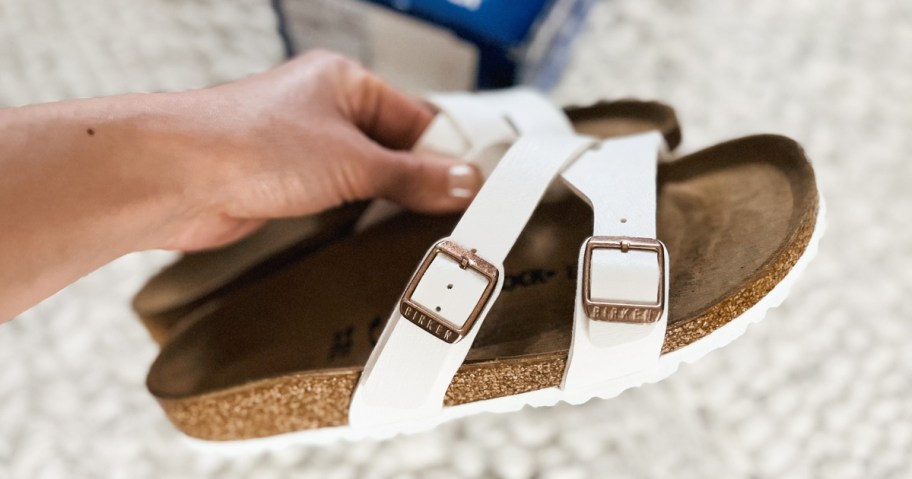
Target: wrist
(86, 181)
(189, 147)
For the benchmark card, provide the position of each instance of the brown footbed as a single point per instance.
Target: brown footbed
(180, 293)
(285, 354)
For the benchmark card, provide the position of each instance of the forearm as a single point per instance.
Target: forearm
(84, 182)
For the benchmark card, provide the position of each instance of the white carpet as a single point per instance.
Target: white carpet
(822, 388)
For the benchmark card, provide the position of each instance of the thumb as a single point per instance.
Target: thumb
(426, 182)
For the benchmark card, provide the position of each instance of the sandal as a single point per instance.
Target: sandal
(474, 127)
(588, 302)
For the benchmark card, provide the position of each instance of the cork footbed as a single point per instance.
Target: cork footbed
(285, 354)
(180, 293)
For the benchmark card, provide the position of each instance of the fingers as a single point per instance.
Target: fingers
(419, 182)
(389, 123)
(424, 182)
(386, 115)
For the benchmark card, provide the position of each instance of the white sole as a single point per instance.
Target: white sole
(666, 366)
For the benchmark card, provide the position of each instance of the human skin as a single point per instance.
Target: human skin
(84, 182)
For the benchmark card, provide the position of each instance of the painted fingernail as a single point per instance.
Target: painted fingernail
(464, 181)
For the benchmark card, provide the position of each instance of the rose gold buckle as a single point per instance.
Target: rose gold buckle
(623, 312)
(435, 323)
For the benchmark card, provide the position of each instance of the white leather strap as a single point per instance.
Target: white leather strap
(413, 363)
(484, 131)
(619, 181)
(479, 128)
(528, 111)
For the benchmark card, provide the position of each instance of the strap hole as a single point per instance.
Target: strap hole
(450, 286)
(437, 309)
(623, 220)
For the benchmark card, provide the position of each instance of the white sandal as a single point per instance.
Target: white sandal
(582, 306)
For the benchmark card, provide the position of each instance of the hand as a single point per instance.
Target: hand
(83, 182)
(311, 134)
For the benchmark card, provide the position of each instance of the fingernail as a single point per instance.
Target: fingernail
(464, 181)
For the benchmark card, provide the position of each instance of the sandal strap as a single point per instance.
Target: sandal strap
(528, 111)
(621, 305)
(429, 334)
(479, 128)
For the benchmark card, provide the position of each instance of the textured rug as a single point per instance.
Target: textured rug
(822, 388)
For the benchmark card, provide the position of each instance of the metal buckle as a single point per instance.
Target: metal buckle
(435, 323)
(623, 312)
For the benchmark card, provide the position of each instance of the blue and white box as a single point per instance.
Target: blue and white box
(423, 45)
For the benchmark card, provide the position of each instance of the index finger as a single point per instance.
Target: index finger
(387, 115)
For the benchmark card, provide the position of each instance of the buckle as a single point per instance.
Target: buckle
(623, 311)
(482, 282)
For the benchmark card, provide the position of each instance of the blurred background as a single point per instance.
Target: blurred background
(821, 388)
